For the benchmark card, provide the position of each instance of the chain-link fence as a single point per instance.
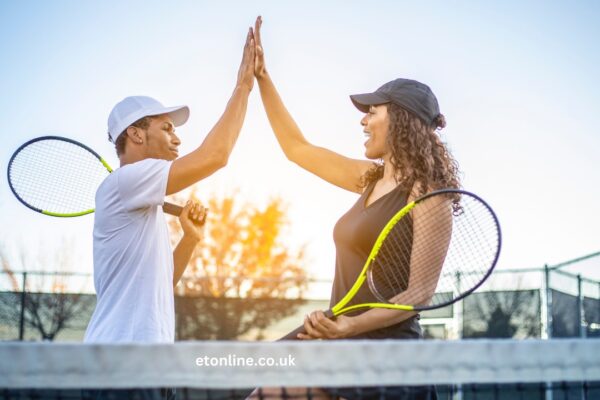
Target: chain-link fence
(548, 302)
(553, 301)
(41, 305)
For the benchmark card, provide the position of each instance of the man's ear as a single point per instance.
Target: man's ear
(135, 134)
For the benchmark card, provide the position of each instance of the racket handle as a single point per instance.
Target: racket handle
(172, 209)
(293, 335)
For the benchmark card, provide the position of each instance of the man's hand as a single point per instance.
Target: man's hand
(192, 220)
(259, 58)
(246, 71)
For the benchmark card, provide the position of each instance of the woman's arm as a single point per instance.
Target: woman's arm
(425, 267)
(334, 168)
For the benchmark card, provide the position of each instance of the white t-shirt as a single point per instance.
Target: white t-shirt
(133, 258)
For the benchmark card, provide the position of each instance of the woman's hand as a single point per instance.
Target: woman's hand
(259, 54)
(318, 326)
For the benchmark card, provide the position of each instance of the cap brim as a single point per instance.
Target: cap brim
(179, 114)
(365, 100)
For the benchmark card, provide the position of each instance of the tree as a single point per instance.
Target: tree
(242, 277)
(502, 314)
(46, 302)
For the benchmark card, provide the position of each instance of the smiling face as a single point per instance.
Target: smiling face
(376, 126)
(160, 139)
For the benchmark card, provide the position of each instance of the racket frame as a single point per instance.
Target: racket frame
(167, 207)
(340, 307)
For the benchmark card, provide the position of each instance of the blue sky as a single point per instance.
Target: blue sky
(518, 83)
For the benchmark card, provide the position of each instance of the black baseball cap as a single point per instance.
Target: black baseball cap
(409, 94)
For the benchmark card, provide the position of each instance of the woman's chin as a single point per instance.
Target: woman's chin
(371, 155)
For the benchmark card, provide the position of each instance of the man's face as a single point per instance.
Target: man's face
(161, 141)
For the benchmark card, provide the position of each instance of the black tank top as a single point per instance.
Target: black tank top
(354, 235)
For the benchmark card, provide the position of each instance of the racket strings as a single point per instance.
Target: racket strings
(399, 241)
(472, 249)
(466, 239)
(469, 256)
(56, 176)
(47, 175)
(396, 251)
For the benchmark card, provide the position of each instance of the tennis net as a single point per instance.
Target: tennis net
(458, 370)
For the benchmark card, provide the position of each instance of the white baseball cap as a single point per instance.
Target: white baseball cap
(133, 108)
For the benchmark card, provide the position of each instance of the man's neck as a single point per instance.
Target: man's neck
(130, 158)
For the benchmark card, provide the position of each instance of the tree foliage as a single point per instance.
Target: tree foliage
(502, 314)
(243, 275)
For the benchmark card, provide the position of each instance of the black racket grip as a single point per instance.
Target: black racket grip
(172, 209)
(293, 335)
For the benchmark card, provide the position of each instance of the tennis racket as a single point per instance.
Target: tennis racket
(57, 176)
(433, 252)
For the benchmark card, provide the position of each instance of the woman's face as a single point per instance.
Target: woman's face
(375, 124)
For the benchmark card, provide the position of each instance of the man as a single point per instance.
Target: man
(134, 266)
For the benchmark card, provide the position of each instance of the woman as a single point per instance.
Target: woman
(407, 159)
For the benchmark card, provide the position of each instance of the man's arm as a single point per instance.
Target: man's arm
(214, 152)
(192, 220)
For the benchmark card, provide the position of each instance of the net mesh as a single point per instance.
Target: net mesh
(56, 176)
(453, 237)
(481, 369)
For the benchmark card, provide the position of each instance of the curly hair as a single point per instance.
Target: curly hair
(142, 123)
(422, 162)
